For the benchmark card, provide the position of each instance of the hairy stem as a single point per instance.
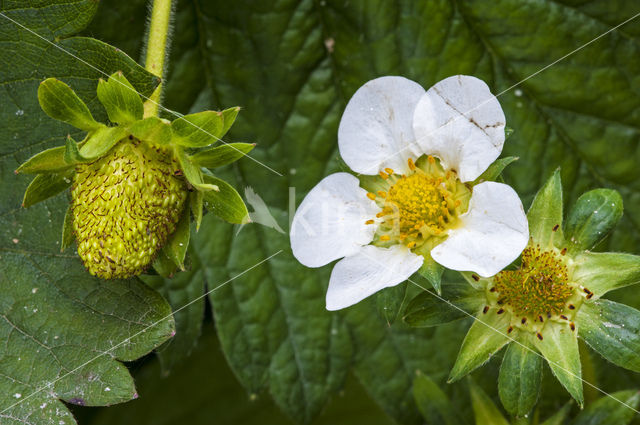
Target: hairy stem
(156, 51)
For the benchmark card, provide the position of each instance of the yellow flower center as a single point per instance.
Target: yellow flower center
(420, 206)
(540, 287)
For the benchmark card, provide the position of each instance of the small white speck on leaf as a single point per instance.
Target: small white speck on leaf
(34, 290)
(19, 113)
(517, 92)
(15, 240)
(17, 395)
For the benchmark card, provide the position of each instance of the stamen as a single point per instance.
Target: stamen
(371, 196)
(412, 165)
(389, 170)
(431, 160)
(369, 222)
(384, 175)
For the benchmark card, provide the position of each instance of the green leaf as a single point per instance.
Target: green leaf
(487, 335)
(613, 330)
(520, 378)
(101, 141)
(389, 302)
(176, 246)
(614, 409)
(193, 173)
(67, 230)
(559, 347)
(199, 129)
(560, 417)
(225, 202)
(485, 410)
(593, 216)
(171, 399)
(273, 330)
(545, 213)
(44, 186)
(430, 270)
(495, 169)
(222, 155)
(152, 129)
(120, 99)
(164, 265)
(601, 272)
(427, 310)
(183, 289)
(64, 332)
(47, 161)
(61, 103)
(433, 403)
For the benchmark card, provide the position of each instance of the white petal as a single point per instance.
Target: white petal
(330, 222)
(371, 269)
(461, 122)
(376, 129)
(493, 232)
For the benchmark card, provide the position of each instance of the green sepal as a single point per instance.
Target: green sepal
(120, 99)
(72, 153)
(222, 155)
(67, 230)
(226, 203)
(485, 410)
(487, 335)
(99, 142)
(601, 272)
(163, 265)
(44, 186)
(229, 117)
(613, 331)
(389, 302)
(430, 270)
(520, 378)
(559, 347)
(60, 102)
(592, 217)
(495, 169)
(154, 130)
(176, 246)
(426, 310)
(545, 213)
(196, 203)
(198, 130)
(193, 173)
(559, 418)
(613, 409)
(48, 161)
(433, 403)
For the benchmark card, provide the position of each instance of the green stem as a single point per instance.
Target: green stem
(157, 43)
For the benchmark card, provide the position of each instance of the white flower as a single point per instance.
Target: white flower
(420, 153)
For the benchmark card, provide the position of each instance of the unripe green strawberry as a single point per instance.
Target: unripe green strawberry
(125, 205)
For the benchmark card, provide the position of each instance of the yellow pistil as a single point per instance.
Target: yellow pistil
(539, 289)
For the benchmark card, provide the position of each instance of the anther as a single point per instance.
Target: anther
(541, 319)
(411, 244)
(572, 326)
(539, 335)
(485, 309)
(384, 175)
(564, 251)
(510, 329)
(369, 222)
(388, 170)
(500, 311)
(524, 320)
(371, 196)
(572, 307)
(431, 159)
(562, 316)
(384, 238)
(555, 228)
(475, 277)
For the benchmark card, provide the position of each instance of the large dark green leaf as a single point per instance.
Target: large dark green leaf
(62, 330)
(292, 65)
